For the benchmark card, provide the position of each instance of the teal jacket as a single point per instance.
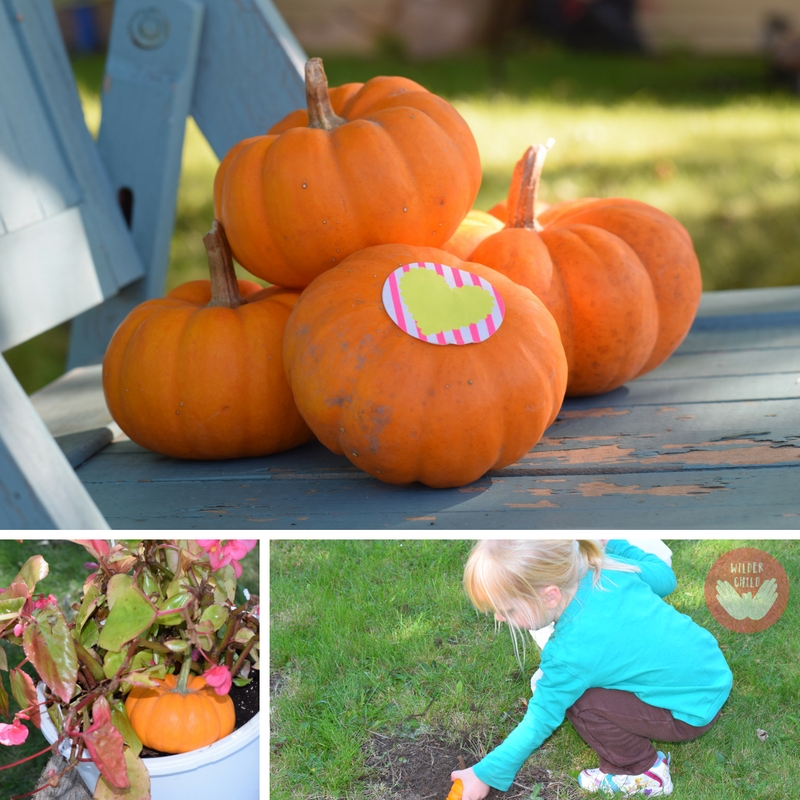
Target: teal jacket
(621, 635)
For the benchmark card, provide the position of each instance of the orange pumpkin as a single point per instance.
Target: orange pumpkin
(168, 719)
(366, 164)
(620, 277)
(456, 790)
(474, 228)
(199, 373)
(404, 409)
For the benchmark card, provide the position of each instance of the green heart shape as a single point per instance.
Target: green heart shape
(436, 307)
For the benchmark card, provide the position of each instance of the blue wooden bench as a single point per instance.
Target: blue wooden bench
(711, 439)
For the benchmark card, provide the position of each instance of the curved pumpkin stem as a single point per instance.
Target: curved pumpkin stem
(525, 186)
(224, 286)
(183, 679)
(320, 110)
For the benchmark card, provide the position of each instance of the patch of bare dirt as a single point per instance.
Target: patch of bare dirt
(418, 768)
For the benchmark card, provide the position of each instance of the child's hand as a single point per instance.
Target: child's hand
(474, 787)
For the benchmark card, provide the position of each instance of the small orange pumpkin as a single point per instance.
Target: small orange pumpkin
(456, 790)
(199, 373)
(620, 277)
(366, 164)
(175, 720)
(403, 409)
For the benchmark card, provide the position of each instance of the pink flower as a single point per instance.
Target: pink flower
(16, 733)
(230, 552)
(220, 678)
(18, 629)
(43, 601)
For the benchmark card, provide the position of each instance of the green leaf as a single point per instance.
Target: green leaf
(48, 645)
(119, 716)
(3, 660)
(3, 697)
(147, 583)
(226, 584)
(243, 635)
(90, 634)
(139, 779)
(89, 661)
(117, 584)
(88, 605)
(10, 608)
(25, 694)
(33, 570)
(177, 645)
(111, 663)
(217, 615)
(175, 601)
(131, 615)
(242, 681)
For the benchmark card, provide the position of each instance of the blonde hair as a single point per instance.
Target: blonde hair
(502, 573)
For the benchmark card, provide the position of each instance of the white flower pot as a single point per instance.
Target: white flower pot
(227, 768)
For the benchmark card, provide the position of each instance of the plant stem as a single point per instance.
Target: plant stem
(320, 111)
(183, 678)
(224, 286)
(525, 186)
(23, 760)
(240, 661)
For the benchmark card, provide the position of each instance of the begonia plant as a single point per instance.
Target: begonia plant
(148, 608)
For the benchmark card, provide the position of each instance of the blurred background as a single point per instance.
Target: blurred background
(692, 106)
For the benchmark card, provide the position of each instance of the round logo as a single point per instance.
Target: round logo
(746, 590)
(442, 305)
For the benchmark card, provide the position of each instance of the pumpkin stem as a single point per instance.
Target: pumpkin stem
(183, 679)
(525, 186)
(320, 110)
(224, 286)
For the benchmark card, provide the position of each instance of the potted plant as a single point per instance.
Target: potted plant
(145, 668)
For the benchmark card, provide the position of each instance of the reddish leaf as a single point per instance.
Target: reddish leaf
(139, 778)
(25, 694)
(33, 570)
(96, 547)
(3, 697)
(105, 743)
(48, 645)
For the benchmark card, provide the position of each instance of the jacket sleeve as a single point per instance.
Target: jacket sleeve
(655, 572)
(546, 711)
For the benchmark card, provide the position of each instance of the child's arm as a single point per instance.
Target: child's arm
(654, 571)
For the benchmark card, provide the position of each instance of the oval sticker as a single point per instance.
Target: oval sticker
(442, 305)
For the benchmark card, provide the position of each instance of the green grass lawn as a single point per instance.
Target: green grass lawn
(377, 639)
(711, 141)
(65, 581)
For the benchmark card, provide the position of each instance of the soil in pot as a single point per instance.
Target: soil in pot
(245, 705)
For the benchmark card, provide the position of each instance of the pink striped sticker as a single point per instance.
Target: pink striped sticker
(470, 331)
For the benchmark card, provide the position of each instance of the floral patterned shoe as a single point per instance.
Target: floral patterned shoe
(655, 782)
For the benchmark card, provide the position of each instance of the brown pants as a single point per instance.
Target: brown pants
(618, 726)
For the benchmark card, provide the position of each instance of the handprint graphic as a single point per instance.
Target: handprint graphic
(746, 590)
(745, 606)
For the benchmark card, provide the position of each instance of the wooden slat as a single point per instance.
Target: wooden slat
(250, 72)
(62, 228)
(147, 94)
(755, 498)
(38, 487)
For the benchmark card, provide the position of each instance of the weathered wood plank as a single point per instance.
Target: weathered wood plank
(727, 499)
(726, 363)
(729, 302)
